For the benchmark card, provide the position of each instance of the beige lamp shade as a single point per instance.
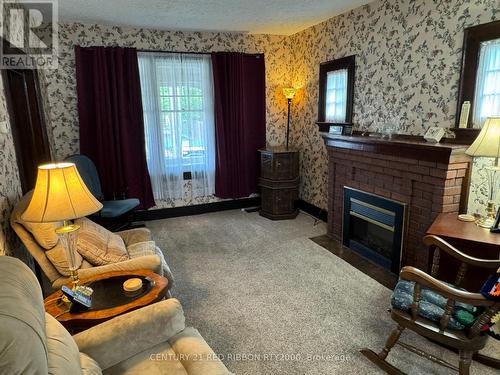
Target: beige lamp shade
(60, 194)
(289, 92)
(487, 143)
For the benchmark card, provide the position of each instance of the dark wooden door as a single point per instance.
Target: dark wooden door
(28, 124)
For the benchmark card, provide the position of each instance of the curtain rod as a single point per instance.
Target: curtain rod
(161, 51)
(191, 53)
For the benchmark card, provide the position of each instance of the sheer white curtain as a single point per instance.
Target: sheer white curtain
(336, 95)
(177, 96)
(487, 95)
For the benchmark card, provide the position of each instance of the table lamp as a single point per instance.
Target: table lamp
(61, 195)
(487, 144)
(289, 93)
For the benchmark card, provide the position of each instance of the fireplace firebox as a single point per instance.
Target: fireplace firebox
(373, 226)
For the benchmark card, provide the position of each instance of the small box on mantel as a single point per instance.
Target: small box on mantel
(434, 134)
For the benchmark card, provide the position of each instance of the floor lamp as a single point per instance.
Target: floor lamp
(289, 93)
(487, 144)
(60, 195)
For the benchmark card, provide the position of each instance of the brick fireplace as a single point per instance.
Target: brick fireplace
(429, 178)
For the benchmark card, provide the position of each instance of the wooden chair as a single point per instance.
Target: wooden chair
(466, 342)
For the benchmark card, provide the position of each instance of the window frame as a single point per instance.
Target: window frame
(174, 97)
(349, 63)
(473, 37)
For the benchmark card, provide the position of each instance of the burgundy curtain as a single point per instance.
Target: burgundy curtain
(240, 122)
(111, 120)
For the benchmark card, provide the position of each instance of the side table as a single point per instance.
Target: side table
(279, 183)
(108, 300)
(469, 239)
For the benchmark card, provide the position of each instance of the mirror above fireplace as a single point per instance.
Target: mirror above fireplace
(336, 91)
(480, 75)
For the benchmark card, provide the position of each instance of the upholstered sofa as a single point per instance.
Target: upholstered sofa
(33, 235)
(152, 340)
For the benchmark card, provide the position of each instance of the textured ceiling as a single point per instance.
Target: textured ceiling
(282, 17)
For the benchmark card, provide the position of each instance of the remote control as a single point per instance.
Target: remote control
(79, 301)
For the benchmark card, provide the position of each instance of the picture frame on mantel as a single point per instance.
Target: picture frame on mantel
(335, 128)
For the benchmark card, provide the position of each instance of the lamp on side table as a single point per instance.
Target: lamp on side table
(487, 144)
(60, 195)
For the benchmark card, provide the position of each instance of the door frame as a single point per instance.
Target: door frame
(12, 117)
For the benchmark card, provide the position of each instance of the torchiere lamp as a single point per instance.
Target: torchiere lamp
(289, 93)
(60, 195)
(487, 144)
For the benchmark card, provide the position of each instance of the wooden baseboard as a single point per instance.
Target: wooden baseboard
(198, 209)
(234, 204)
(313, 210)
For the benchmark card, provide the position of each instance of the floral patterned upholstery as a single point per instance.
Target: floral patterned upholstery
(432, 305)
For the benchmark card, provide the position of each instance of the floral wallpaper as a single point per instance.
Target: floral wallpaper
(479, 191)
(61, 83)
(10, 184)
(408, 58)
(407, 55)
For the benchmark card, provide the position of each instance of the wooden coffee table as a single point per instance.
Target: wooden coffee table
(108, 300)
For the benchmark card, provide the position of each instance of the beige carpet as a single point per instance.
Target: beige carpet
(270, 301)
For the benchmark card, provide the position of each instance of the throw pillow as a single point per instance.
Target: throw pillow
(44, 233)
(98, 245)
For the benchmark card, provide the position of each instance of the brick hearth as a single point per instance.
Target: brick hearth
(430, 179)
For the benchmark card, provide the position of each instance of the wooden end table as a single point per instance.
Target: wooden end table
(108, 300)
(471, 240)
(474, 241)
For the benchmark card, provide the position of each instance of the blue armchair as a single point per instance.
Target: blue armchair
(113, 211)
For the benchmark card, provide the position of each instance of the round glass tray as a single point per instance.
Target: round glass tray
(109, 293)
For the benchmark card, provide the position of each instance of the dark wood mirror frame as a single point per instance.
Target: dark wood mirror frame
(473, 37)
(348, 63)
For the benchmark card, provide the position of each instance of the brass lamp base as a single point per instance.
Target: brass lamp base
(67, 235)
(485, 222)
(75, 281)
(489, 220)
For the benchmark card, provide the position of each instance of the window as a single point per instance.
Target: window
(185, 104)
(487, 95)
(177, 95)
(336, 90)
(480, 75)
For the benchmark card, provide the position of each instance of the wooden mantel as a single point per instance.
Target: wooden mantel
(411, 147)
